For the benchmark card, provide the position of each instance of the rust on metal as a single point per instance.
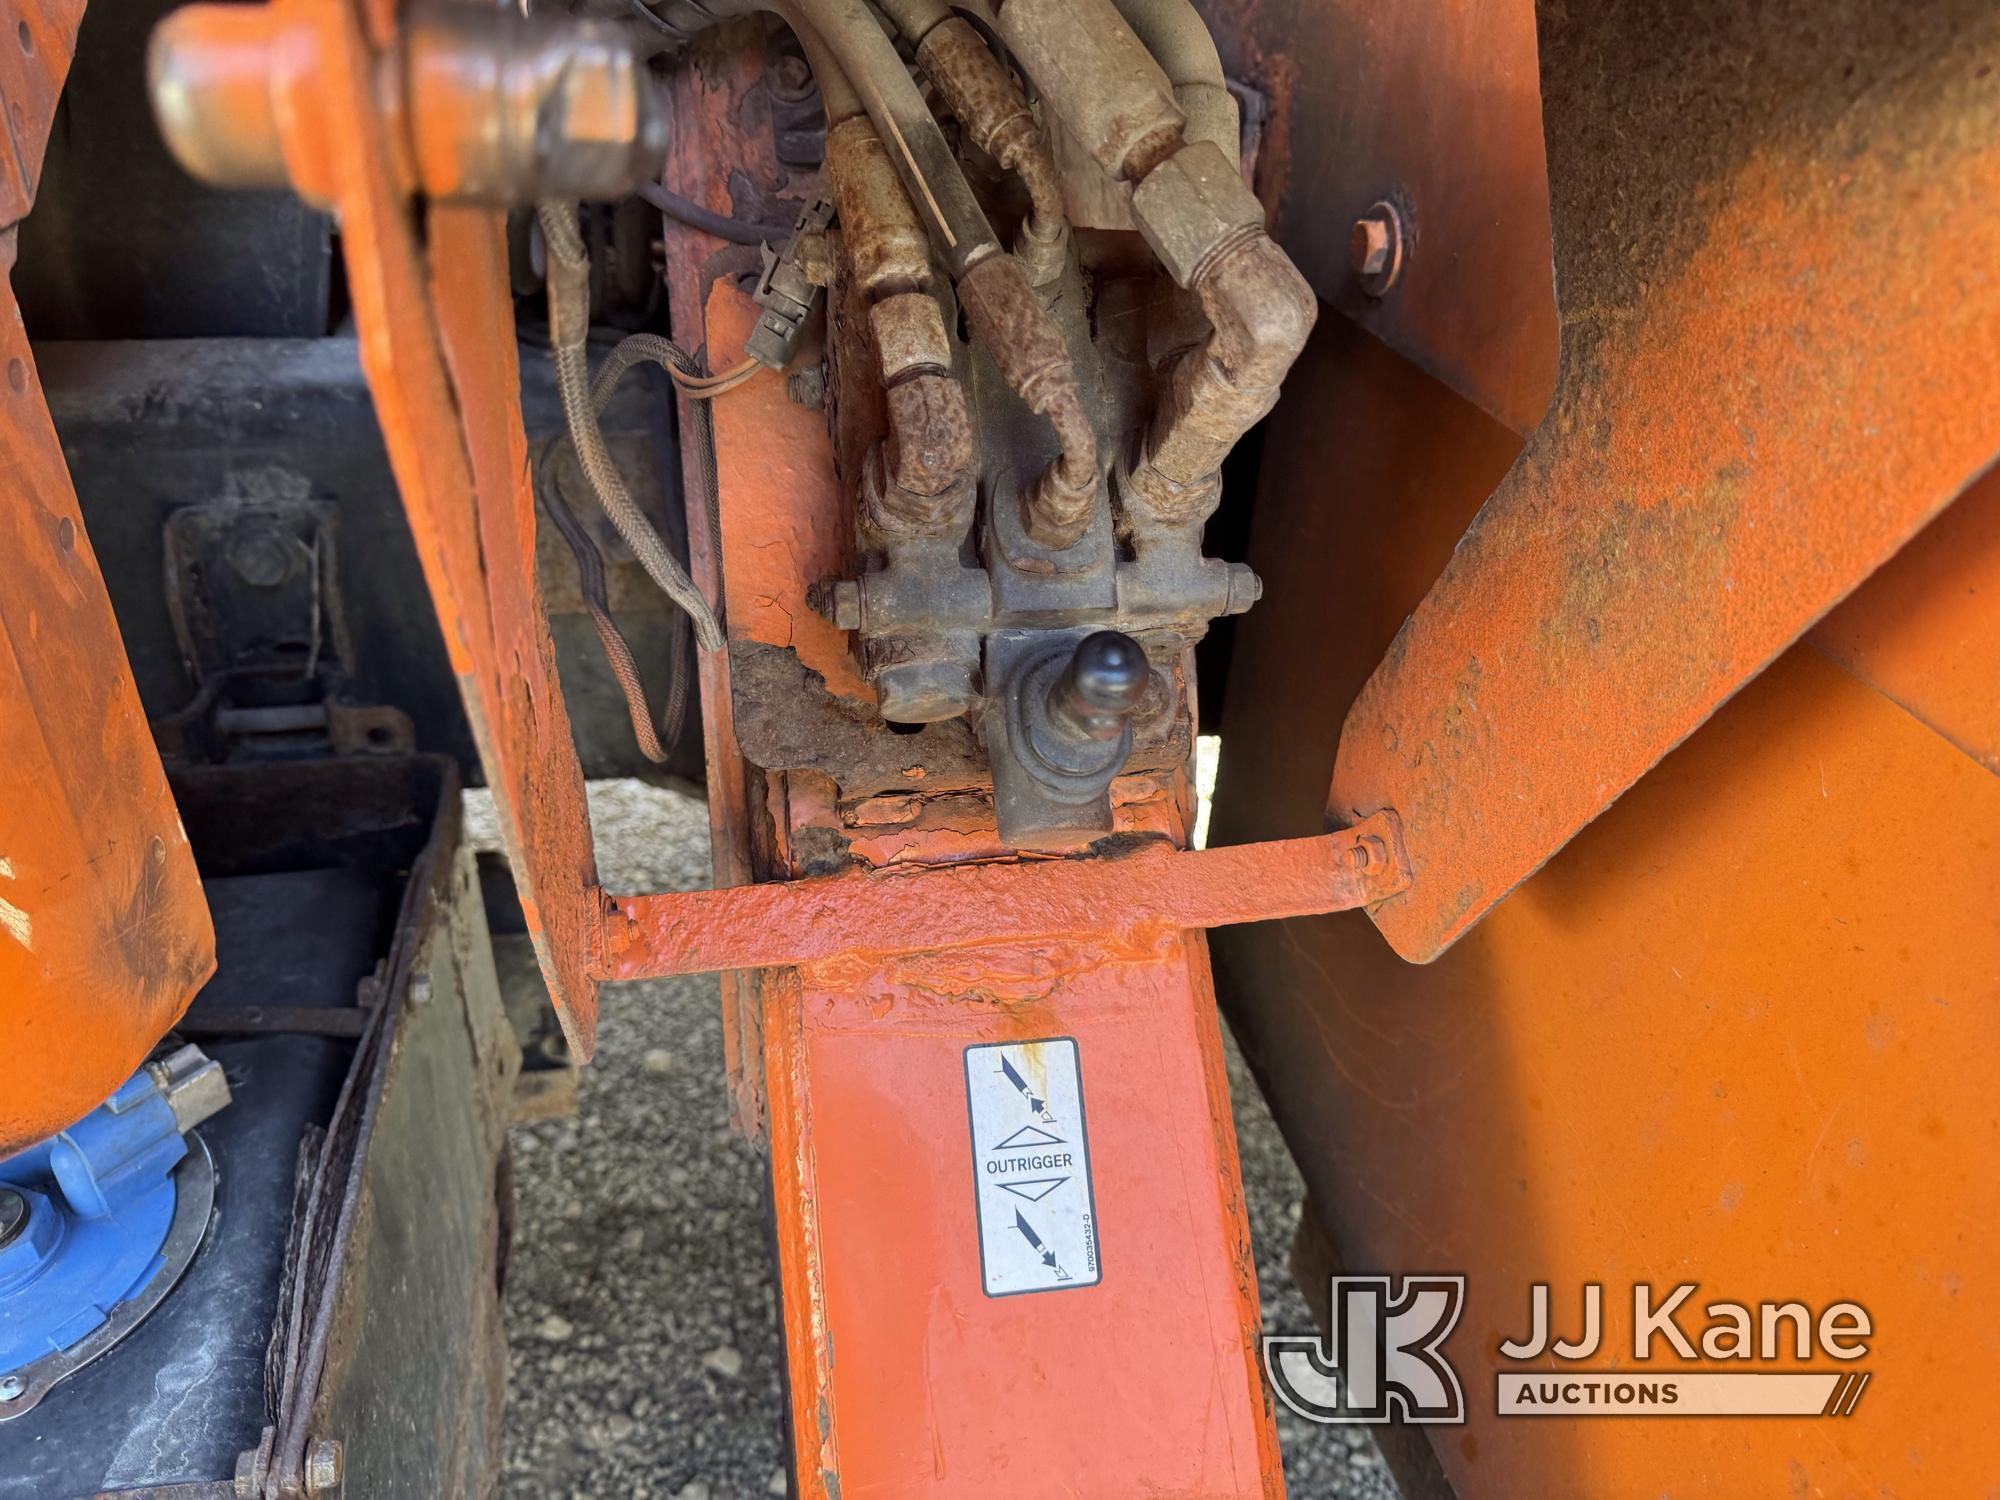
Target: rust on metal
(926, 459)
(1748, 427)
(1260, 312)
(1138, 897)
(1100, 79)
(715, 126)
(1014, 327)
(984, 98)
(1375, 249)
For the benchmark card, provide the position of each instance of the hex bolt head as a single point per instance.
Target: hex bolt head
(843, 604)
(1368, 246)
(1367, 854)
(1375, 248)
(323, 1467)
(791, 78)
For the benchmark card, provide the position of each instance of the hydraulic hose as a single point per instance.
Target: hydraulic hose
(1174, 32)
(867, 59)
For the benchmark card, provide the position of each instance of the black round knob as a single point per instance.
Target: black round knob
(1104, 681)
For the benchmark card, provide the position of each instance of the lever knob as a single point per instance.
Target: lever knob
(1104, 681)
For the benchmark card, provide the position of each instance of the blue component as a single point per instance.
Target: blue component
(100, 1199)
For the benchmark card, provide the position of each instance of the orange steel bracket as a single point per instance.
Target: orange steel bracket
(869, 915)
(433, 308)
(1769, 422)
(104, 935)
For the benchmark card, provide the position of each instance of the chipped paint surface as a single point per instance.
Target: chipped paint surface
(17, 924)
(1128, 902)
(85, 801)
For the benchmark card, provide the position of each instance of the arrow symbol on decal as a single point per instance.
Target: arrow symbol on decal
(1048, 1256)
(1034, 1103)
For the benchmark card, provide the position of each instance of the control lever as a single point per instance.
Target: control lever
(1068, 715)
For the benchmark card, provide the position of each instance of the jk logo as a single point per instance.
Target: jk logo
(1384, 1360)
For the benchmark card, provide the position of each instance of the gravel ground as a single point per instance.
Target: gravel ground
(640, 1308)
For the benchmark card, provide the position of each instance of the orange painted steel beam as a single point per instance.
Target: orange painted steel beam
(910, 1374)
(104, 933)
(433, 308)
(1781, 411)
(714, 123)
(1133, 898)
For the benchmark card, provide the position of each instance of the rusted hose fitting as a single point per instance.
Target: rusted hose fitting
(944, 200)
(1022, 339)
(1206, 227)
(1100, 80)
(879, 229)
(1261, 311)
(918, 481)
(1174, 33)
(984, 99)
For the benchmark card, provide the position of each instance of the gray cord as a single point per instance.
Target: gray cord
(569, 334)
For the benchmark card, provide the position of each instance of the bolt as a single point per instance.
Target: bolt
(262, 558)
(1367, 853)
(323, 1467)
(12, 1388)
(838, 601)
(1375, 248)
(791, 79)
(13, 1215)
(420, 994)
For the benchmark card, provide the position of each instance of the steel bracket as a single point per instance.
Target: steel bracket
(1135, 898)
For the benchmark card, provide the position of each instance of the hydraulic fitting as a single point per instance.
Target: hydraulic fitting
(1100, 79)
(1192, 208)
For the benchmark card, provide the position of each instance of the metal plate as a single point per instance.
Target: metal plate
(1436, 107)
(1783, 360)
